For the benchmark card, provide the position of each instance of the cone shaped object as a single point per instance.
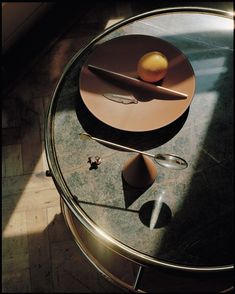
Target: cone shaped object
(139, 171)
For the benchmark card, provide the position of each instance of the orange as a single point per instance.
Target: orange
(152, 66)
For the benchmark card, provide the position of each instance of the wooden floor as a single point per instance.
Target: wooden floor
(38, 252)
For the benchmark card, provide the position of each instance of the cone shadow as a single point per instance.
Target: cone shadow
(131, 194)
(146, 214)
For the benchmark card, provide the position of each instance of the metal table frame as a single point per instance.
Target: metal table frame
(67, 199)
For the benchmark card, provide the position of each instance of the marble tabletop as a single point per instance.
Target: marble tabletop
(194, 226)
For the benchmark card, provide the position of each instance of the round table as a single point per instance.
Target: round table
(190, 244)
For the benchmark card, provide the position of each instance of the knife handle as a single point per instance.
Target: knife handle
(137, 83)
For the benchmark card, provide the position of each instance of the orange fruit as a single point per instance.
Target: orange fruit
(152, 66)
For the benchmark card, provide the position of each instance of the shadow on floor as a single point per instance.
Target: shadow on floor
(49, 262)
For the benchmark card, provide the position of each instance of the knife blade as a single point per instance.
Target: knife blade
(124, 99)
(165, 93)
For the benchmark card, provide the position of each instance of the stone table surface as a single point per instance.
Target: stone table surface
(194, 227)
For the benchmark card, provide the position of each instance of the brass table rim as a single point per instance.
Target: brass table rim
(57, 175)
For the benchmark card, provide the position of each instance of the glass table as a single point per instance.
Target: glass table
(190, 245)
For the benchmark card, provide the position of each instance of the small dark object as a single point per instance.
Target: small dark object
(94, 162)
(48, 173)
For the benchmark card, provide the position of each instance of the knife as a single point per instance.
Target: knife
(120, 98)
(164, 92)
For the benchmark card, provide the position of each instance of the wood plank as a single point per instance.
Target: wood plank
(46, 103)
(39, 251)
(40, 78)
(13, 160)
(3, 167)
(31, 143)
(44, 159)
(16, 282)
(30, 200)
(15, 263)
(73, 272)
(112, 21)
(14, 243)
(23, 91)
(11, 112)
(15, 226)
(34, 182)
(11, 136)
(37, 106)
(70, 269)
(57, 228)
(4, 119)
